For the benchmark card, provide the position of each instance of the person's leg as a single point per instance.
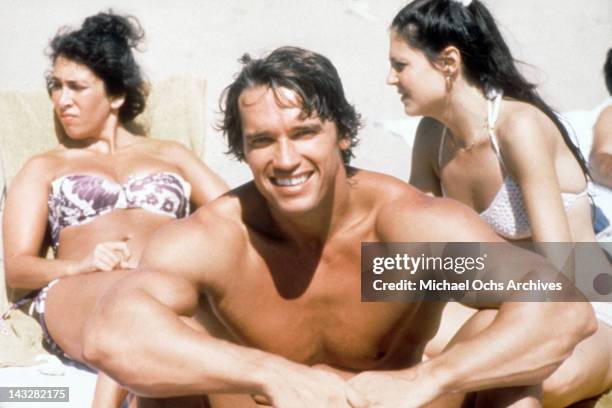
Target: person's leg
(515, 397)
(586, 373)
(69, 304)
(108, 393)
(453, 317)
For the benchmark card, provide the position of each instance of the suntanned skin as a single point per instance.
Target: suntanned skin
(96, 144)
(281, 267)
(454, 156)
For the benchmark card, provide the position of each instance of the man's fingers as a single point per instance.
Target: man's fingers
(355, 399)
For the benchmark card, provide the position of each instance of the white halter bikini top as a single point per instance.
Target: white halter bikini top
(506, 214)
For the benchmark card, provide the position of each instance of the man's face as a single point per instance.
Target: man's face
(294, 159)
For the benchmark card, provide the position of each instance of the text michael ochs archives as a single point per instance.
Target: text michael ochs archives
(458, 265)
(460, 271)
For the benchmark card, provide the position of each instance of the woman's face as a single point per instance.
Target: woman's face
(421, 85)
(80, 100)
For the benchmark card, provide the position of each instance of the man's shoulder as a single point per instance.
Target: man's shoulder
(219, 220)
(383, 187)
(410, 215)
(205, 241)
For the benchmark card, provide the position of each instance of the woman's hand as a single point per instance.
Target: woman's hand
(106, 256)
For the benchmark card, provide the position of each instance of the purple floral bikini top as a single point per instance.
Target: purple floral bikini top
(79, 198)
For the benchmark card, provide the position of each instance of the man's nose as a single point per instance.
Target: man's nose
(286, 156)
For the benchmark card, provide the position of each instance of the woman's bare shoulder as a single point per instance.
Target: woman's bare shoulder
(521, 119)
(45, 163)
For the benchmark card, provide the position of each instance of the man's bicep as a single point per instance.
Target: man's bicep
(176, 249)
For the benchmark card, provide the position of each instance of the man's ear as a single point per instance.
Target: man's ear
(116, 102)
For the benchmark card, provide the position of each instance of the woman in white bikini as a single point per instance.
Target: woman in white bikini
(101, 193)
(488, 140)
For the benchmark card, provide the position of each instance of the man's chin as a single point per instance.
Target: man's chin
(293, 206)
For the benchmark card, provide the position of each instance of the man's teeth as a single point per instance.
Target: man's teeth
(291, 181)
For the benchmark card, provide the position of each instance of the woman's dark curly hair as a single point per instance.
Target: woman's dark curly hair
(104, 44)
(311, 76)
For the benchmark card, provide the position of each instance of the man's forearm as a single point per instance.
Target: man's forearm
(146, 347)
(523, 345)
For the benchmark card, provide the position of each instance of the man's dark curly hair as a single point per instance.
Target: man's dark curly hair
(104, 44)
(309, 75)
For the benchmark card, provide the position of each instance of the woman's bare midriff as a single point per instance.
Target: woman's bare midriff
(134, 226)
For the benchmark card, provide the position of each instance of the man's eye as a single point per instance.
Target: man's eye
(259, 141)
(304, 133)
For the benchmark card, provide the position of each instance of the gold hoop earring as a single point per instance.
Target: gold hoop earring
(449, 82)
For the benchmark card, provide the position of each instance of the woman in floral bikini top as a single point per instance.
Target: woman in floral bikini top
(100, 195)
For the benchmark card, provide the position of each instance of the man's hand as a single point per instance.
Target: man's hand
(394, 389)
(297, 386)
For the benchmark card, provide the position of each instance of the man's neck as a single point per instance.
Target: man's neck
(312, 229)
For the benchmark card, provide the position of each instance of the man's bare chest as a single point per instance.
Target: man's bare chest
(314, 314)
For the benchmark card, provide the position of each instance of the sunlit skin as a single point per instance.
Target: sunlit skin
(279, 260)
(295, 160)
(93, 252)
(467, 168)
(419, 83)
(81, 102)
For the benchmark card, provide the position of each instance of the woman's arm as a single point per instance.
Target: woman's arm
(529, 157)
(425, 156)
(206, 185)
(601, 153)
(24, 228)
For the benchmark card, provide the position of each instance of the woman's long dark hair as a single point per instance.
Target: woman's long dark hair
(432, 25)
